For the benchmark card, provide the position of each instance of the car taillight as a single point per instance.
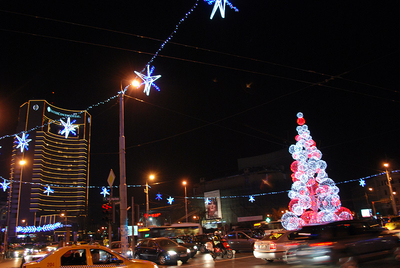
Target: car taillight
(272, 245)
(322, 244)
(292, 245)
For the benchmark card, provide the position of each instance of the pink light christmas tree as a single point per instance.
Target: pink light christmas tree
(314, 196)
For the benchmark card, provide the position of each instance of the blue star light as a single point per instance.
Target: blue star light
(148, 80)
(4, 185)
(362, 182)
(104, 191)
(170, 200)
(208, 201)
(48, 190)
(158, 197)
(221, 4)
(68, 127)
(251, 199)
(22, 142)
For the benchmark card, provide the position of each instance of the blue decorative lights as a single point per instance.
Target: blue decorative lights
(148, 80)
(48, 190)
(251, 199)
(4, 185)
(221, 4)
(68, 127)
(362, 182)
(158, 197)
(170, 200)
(22, 142)
(104, 191)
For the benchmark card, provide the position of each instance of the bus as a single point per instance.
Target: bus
(173, 230)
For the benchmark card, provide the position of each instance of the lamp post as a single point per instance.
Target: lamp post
(22, 163)
(386, 165)
(186, 214)
(151, 177)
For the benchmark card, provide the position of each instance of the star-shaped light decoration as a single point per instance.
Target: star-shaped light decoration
(148, 80)
(48, 190)
(104, 191)
(208, 201)
(4, 185)
(158, 197)
(22, 142)
(68, 127)
(362, 182)
(170, 200)
(251, 199)
(221, 4)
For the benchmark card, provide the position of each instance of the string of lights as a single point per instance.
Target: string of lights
(5, 185)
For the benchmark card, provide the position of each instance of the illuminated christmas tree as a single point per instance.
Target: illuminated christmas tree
(314, 196)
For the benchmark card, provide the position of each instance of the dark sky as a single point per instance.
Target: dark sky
(230, 88)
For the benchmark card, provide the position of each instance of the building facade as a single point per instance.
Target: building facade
(51, 184)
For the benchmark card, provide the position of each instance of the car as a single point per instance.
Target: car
(193, 247)
(116, 246)
(241, 240)
(18, 251)
(344, 243)
(394, 223)
(275, 245)
(86, 256)
(161, 250)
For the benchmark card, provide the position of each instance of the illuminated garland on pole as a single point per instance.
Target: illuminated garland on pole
(314, 196)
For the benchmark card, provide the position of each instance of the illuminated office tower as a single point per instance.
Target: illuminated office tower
(54, 159)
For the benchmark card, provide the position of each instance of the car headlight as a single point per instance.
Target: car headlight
(188, 250)
(16, 254)
(171, 252)
(195, 247)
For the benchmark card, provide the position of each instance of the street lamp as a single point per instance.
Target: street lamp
(151, 177)
(21, 163)
(186, 214)
(386, 165)
(123, 203)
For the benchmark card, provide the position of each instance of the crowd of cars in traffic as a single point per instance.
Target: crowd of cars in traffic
(343, 243)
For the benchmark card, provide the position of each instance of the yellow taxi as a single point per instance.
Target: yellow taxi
(394, 223)
(86, 256)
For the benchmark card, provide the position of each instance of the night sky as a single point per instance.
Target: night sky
(230, 88)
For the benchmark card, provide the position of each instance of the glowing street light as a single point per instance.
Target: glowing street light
(186, 214)
(151, 177)
(386, 165)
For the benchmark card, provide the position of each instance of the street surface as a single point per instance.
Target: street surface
(240, 260)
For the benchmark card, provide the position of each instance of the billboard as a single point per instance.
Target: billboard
(213, 205)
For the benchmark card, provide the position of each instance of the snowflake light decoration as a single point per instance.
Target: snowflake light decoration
(48, 190)
(104, 191)
(148, 80)
(314, 196)
(362, 182)
(4, 185)
(68, 127)
(22, 142)
(251, 199)
(208, 201)
(220, 4)
(158, 197)
(170, 200)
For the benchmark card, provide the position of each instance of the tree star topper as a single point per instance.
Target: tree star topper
(4, 185)
(22, 142)
(104, 191)
(170, 200)
(148, 80)
(68, 127)
(48, 190)
(221, 4)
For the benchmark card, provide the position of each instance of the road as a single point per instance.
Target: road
(240, 260)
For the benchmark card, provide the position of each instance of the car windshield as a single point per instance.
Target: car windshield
(166, 242)
(273, 236)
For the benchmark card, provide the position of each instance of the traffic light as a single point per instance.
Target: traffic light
(106, 211)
